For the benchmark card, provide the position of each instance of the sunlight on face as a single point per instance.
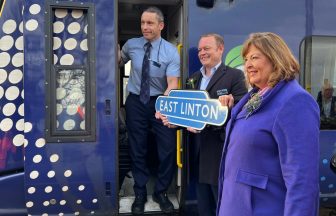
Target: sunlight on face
(258, 67)
(150, 26)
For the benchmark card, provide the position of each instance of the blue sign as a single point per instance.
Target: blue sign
(191, 108)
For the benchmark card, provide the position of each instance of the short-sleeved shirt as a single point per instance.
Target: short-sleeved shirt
(164, 61)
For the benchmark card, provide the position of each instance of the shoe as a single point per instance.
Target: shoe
(138, 205)
(162, 199)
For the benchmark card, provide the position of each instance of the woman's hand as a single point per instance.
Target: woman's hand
(226, 100)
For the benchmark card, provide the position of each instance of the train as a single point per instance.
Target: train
(63, 141)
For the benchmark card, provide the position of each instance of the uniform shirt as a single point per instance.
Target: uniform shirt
(164, 61)
(206, 79)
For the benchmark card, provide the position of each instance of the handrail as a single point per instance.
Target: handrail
(179, 148)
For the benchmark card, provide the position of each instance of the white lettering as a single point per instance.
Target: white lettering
(214, 112)
(205, 111)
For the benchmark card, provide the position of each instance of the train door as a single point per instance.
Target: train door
(70, 88)
(319, 78)
(129, 14)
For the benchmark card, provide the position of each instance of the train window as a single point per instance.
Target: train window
(319, 76)
(70, 74)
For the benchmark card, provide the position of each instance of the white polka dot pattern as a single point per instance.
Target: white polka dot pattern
(46, 203)
(3, 76)
(34, 174)
(83, 45)
(12, 111)
(81, 187)
(58, 27)
(40, 143)
(12, 93)
(70, 44)
(17, 60)
(77, 14)
(20, 125)
(21, 27)
(31, 190)
(4, 59)
(19, 43)
(18, 140)
(6, 43)
(15, 76)
(6, 124)
(35, 9)
(21, 110)
(67, 59)
(9, 109)
(54, 158)
(51, 174)
(31, 25)
(74, 28)
(48, 189)
(37, 158)
(67, 173)
(29, 204)
(28, 127)
(61, 13)
(9, 26)
(65, 188)
(57, 43)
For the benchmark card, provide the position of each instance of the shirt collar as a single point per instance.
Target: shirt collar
(212, 71)
(154, 43)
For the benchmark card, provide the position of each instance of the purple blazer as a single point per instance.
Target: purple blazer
(270, 160)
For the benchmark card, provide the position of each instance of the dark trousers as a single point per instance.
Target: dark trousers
(139, 120)
(206, 199)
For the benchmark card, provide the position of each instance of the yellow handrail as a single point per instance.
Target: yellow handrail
(2, 7)
(179, 148)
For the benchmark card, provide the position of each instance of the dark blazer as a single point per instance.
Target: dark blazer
(332, 107)
(209, 143)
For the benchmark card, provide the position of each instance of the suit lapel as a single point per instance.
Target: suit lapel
(198, 81)
(217, 75)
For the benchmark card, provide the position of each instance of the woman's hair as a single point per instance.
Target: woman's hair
(285, 66)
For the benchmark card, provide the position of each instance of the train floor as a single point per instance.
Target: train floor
(126, 196)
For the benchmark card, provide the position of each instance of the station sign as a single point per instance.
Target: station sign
(191, 108)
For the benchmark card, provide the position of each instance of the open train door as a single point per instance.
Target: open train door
(175, 31)
(70, 88)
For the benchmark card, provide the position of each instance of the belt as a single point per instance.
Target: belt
(151, 97)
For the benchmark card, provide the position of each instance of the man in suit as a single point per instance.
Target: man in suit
(327, 105)
(326, 101)
(222, 82)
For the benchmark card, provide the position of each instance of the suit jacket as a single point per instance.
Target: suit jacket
(209, 143)
(270, 162)
(332, 107)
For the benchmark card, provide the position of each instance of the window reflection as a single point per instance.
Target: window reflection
(320, 68)
(70, 100)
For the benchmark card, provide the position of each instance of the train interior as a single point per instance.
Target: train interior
(129, 13)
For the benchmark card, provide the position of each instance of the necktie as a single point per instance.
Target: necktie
(144, 88)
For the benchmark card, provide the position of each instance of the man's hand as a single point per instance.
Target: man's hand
(164, 120)
(192, 130)
(226, 100)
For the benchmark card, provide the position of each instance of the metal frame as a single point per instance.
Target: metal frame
(51, 134)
